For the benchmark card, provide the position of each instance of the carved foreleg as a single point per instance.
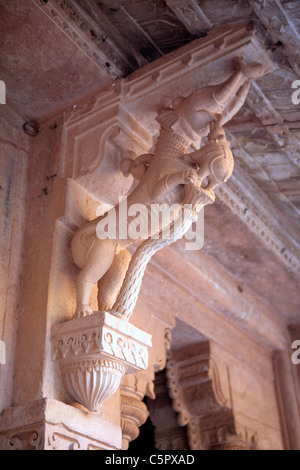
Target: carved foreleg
(225, 91)
(229, 95)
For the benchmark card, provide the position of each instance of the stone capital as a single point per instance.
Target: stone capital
(94, 352)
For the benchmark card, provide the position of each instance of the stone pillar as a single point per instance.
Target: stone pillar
(134, 411)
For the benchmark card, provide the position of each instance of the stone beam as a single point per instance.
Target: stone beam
(279, 131)
(98, 40)
(280, 19)
(191, 15)
(244, 197)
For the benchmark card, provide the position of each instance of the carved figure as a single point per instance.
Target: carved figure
(165, 177)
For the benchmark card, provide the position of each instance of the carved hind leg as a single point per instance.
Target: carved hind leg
(110, 284)
(98, 261)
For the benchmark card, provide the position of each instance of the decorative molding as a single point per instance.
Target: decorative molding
(133, 389)
(192, 382)
(133, 414)
(94, 353)
(168, 435)
(281, 244)
(222, 42)
(48, 424)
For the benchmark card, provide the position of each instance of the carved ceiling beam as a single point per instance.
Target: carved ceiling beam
(191, 15)
(279, 22)
(279, 131)
(98, 40)
(277, 18)
(261, 218)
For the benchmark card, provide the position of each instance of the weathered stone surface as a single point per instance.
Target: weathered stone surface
(240, 292)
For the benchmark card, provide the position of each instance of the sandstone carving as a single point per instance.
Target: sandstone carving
(172, 175)
(94, 353)
(195, 388)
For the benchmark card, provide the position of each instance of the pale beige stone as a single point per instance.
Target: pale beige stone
(161, 178)
(238, 294)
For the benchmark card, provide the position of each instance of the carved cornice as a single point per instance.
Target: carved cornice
(221, 42)
(252, 211)
(277, 18)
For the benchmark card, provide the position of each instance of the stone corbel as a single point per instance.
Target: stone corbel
(95, 350)
(198, 397)
(94, 353)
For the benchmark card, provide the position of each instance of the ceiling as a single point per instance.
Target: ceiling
(56, 53)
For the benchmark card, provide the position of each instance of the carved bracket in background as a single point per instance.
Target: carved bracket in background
(196, 390)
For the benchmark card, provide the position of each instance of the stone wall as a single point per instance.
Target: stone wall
(14, 145)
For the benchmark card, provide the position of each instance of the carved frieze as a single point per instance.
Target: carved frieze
(48, 424)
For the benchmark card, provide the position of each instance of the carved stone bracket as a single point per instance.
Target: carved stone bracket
(48, 424)
(94, 353)
(194, 385)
